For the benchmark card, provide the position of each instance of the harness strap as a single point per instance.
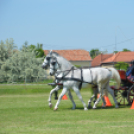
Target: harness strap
(75, 79)
(72, 69)
(81, 79)
(91, 76)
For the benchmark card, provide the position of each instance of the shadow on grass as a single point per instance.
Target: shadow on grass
(98, 108)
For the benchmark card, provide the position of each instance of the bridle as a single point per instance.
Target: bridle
(54, 61)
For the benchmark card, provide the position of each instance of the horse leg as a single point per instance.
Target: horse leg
(89, 102)
(112, 94)
(80, 97)
(100, 91)
(71, 98)
(92, 97)
(104, 103)
(97, 101)
(60, 97)
(50, 96)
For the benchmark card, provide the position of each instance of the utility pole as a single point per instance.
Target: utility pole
(115, 43)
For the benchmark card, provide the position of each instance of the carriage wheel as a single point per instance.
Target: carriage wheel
(121, 97)
(130, 96)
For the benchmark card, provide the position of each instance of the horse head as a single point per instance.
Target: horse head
(46, 62)
(54, 65)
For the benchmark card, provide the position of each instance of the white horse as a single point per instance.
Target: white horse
(75, 78)
(46, 65)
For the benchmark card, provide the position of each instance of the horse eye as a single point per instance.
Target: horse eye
(47, 58)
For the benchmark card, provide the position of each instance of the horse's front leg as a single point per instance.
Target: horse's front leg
(51, 92)
(80, 97)
(60, 97)
(71, 98)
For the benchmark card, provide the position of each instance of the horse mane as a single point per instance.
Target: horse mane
(57, 55)
(54, 54)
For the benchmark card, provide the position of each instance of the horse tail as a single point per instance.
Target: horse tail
(116, 76)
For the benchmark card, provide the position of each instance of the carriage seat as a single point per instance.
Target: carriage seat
(122, 74)
(123, 77)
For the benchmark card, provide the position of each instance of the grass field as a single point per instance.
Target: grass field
(24, 110)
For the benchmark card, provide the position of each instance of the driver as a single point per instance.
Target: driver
(130, 72)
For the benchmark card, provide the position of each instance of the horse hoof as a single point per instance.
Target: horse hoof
(55, 109)
(89, 107)
(73, 108)
(50, 105)
(103, 107)
(85, 109)
(94, 108)
(116, 107)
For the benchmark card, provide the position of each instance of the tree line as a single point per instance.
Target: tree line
(22, 65)
(95, 52)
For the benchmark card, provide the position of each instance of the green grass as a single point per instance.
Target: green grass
(26, 111)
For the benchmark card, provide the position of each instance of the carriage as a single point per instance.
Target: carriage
(125, 93)
(68, 77)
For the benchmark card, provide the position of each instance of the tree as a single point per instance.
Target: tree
(25, 67)
(115, 52)
(94, 53)
(20, 66)
(7, 49)
(32, 47)
(125, 50)
(37, 49)
(121, 65)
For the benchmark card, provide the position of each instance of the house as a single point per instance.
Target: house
(97, 61)
(76, 57)
(111, 59)
(127, 57)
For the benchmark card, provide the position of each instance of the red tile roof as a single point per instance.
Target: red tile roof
(73, 55)
(113, 58)
(99, 59)
(121, 57)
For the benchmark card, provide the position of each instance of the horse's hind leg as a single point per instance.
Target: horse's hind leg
(95, 91)
(112, 94)
(97, 101)
(90, 100)
(104, 103)
(100, 90)
(71, 98)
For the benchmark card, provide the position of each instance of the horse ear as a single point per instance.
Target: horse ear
(50, 52)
